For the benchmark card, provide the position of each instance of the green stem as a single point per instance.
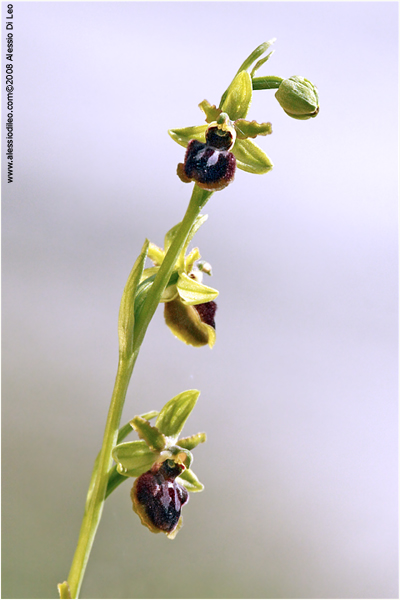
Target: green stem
(97, 490)
(197, 201)
(269, 82)
(114, 480)
(101, 472)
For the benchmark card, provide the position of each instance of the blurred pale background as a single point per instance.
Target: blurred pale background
(299, 395)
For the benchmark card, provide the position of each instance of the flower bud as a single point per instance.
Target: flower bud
(298, 98)
(158, 499)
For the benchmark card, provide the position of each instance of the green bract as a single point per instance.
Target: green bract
(126, 319)
(238, 98)
(298, 98)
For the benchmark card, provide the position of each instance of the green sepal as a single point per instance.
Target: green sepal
(183, 136)
(151, 435)
(156, 254)
(250, 157)
(182, 455)
(212, 112)
(251, 129)
(134, 458)
(175, 412)
(192, 292)
(192, 441)
(238, 97)
(126, 318)
(188, 479)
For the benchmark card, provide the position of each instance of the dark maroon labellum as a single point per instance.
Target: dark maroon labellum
(211, 168)
(159, 497)
(207, 312)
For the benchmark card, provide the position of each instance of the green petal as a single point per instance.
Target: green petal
(191, 259)
(150, 415)
(126, 318)
(192, 292)
(212, 112)
(183, 136)
(192, 441)
(151, 435)
(190, 481)
(238, 97)
(127, 428)
(249, 157)
(174, 414)
(245, 129)
(134, 458)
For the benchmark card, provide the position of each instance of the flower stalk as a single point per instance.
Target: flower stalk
(100, 476)
(160, 461)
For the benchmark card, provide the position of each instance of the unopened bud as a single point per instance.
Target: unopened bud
(298, 98)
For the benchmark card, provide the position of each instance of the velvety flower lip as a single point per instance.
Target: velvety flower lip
(194, 325)
(158, 499)
(212, 169)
